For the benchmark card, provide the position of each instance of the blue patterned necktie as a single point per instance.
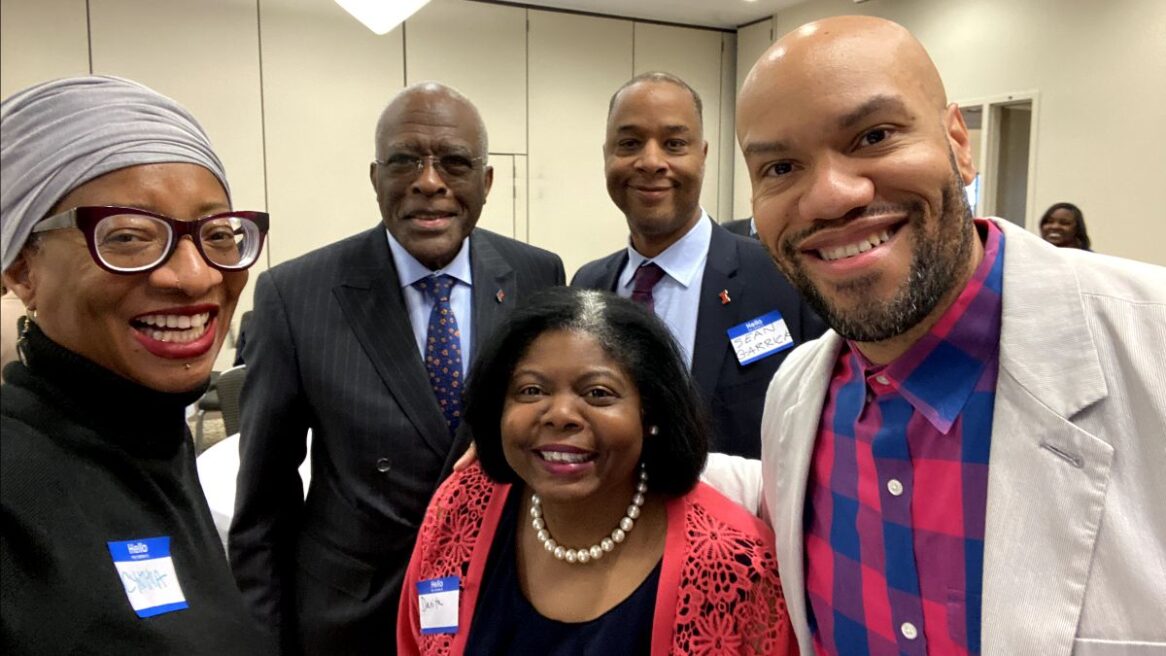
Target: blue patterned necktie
(443, 348)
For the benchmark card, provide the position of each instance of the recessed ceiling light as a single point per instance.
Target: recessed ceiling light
(381, 16)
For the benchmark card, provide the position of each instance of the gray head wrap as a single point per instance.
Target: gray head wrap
(56, 136)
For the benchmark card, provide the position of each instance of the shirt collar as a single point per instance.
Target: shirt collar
(938, 374)
(683, 261)
(409, 270)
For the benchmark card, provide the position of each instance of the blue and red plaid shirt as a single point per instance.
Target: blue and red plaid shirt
(899, 481)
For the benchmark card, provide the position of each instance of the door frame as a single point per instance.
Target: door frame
(990, 149)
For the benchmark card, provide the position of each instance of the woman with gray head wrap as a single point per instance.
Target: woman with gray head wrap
(120, 240)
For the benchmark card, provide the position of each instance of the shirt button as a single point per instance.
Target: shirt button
(894, 487)
(882, 380)
(383, 465)
(909, 631)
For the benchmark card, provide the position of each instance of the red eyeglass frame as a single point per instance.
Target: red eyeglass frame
(86, 217)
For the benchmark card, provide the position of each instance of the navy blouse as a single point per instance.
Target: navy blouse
(505, 622)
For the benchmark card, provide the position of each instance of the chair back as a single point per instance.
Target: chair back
(230, 385)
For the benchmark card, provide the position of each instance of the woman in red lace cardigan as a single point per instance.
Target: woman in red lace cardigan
(584, 529)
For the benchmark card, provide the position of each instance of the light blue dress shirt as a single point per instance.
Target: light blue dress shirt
(409, 271)
(676, 297)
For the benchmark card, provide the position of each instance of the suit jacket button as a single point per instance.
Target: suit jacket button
(383, 465)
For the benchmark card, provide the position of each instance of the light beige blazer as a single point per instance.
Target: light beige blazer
(1075, 542)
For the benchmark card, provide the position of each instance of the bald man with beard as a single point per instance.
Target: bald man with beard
(970, 460)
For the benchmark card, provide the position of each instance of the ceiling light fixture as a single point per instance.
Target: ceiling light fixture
(380, 16)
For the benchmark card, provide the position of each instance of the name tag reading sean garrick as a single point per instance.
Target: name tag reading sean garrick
(438, 601)
(759, 338)
(147, 572)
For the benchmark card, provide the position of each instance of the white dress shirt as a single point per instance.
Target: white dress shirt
(676, 298)
(409, 271)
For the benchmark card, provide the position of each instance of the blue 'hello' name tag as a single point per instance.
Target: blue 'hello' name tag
(438, 601)
(146, 571)
(760, 338)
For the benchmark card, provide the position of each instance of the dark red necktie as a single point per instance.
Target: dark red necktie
(645, 278)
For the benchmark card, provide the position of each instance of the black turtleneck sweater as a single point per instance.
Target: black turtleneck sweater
(90, 458)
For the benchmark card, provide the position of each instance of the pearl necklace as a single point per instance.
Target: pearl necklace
(595, 551)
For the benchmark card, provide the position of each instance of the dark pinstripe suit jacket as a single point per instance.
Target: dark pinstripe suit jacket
(735, 394)
(331, 349)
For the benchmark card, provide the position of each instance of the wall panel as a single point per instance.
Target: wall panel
(521, 198)
(40, 41)
(728, 148)
(752, 41)
(576, 62)
(498, 213)
(326, 79)
(489, 67)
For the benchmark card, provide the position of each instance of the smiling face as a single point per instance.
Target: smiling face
(161, 329)
(654, 157)
(1060, 228)
(572, 422)
(430, 212)
(858, 170)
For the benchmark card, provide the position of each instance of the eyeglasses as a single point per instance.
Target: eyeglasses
(130, 240)
(450, 167)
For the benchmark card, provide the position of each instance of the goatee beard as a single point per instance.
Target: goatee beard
(939, 259)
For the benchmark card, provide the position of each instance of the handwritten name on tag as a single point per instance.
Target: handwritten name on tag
(760, 338)
(438, 601)
(147, 573)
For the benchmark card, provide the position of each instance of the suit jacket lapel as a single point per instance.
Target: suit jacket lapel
(495, 291)
(1047, 477)
(495, 288)
(371, 299)
(715, 317)
(612, 267)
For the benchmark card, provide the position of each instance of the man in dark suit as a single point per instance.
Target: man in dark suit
(717, 292)
(365, 342)
(745, 227)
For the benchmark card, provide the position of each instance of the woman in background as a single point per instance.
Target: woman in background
(1063, 225)
(120, 240)
(584, 529)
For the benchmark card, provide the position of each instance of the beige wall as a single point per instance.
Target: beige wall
(752, 41)
(1099, 69)
(289, 91)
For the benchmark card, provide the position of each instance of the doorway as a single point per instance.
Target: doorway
(1002, 132)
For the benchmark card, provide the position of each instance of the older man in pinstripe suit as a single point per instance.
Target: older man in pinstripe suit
(365, 342)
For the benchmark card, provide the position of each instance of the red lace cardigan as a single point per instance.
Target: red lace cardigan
(718, 594)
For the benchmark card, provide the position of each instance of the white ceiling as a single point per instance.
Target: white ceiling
(706, 13)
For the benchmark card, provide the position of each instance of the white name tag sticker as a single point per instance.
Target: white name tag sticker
(760, 338)
(438, 601)
(147, 573)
